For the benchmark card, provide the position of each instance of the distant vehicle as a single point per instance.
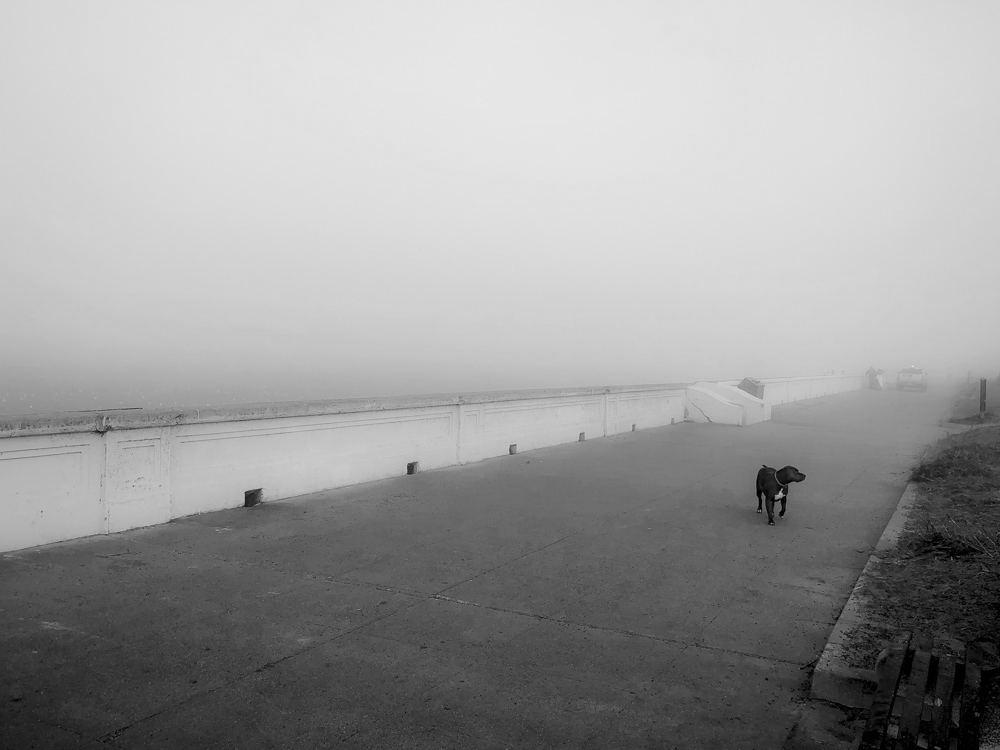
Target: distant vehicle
(911, 377)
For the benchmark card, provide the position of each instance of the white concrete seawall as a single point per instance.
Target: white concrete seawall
(71, 475)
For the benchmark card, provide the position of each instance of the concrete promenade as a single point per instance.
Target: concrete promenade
(617, 593)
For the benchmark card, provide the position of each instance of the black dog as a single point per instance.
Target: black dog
(772, 484)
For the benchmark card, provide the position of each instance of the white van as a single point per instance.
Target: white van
(911, 377)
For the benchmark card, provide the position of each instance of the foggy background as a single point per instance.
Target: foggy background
(217, 202)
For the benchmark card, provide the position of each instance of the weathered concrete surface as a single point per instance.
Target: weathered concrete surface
(620, 592)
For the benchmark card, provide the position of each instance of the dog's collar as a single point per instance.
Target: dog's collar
(778, 480)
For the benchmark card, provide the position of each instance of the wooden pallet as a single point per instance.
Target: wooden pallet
(929, 695)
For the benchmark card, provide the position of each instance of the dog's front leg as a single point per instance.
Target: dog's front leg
(784, 499)
(770, 510)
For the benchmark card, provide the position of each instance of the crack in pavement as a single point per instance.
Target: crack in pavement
(849, 485)
(619, 631)
(319, 642)
(603, 520)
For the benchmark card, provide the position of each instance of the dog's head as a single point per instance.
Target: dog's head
(789, 474)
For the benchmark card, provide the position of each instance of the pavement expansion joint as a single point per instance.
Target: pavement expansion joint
(563, 621)
(305, 575)
(849, 485)
(625, 632)
(596, 524)
(56, 725)
(109, 737)
(513, 560)
(750, 655)
(317, 643)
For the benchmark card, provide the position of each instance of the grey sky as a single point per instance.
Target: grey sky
(366, 197)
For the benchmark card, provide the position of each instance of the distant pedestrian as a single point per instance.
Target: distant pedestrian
(873, 379)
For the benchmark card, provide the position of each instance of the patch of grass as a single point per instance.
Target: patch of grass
(863, 643)
(960, 462)
(943, 576)
(952, 538)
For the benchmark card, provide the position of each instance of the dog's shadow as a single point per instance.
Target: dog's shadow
(743, 513)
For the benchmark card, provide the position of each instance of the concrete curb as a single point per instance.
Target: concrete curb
(833, 680)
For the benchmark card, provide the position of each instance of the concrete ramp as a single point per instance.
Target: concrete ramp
(753, 409)
(704, 404)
